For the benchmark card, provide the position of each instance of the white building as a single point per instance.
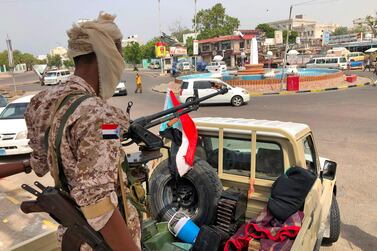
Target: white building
(130, 39)
(306, 29)
(63, 52)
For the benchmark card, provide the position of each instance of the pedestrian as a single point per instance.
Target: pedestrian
(375, 66)
(367, 63)
(138, 83)
(86, 163)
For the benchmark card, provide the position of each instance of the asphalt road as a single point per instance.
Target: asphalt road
(344, 126)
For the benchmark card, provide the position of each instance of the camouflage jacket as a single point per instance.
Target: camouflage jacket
(89, 161)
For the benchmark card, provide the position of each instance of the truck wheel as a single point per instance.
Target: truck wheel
(237, 100)
(334, 222)
(196, 193)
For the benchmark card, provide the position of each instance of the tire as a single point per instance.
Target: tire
(189, 99)
(334, 223)
(237, 101)
(201, 182)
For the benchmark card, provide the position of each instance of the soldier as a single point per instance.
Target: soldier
(90, 150)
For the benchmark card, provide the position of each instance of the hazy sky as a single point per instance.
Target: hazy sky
(36, 26)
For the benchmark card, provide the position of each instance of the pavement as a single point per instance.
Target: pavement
(344, 127)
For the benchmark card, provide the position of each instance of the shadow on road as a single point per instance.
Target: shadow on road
(358, 237)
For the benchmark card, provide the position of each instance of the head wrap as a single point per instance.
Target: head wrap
(99, 36)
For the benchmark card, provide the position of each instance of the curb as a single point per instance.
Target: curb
(255, 94)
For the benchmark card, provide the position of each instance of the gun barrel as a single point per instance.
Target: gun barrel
(10, 169)
(148, 119)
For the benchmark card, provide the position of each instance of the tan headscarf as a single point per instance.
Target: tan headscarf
(98, 36)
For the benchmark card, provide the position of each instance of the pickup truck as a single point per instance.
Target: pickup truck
(233, 151)
(230, 153)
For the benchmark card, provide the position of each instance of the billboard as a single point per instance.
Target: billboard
(175, 51)
(326, 38)
(160, 50)
(195, 47)
(278, 37)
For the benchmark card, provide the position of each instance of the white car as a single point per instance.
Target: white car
(216, 66)
(205, 86)
(56, 77)
(328, 62)
(13, 130)
(121, 89)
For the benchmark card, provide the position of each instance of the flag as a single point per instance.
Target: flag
(110, 131)
(185, 155)
(10, 52)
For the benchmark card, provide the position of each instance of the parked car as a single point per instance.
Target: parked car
(216, 66)
(328, 62)
(184, 66)
(3, 103)
(356, 56)
(249, 153)
(154, 65)
(13, 130)
(121, 89)
(56, 77)
(236, 96)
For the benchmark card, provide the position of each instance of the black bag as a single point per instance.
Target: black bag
(289, 191)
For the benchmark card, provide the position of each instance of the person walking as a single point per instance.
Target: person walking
(138, 83)
(367, 63)
(76, 135)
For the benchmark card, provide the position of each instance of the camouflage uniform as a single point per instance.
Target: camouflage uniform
(90, 162)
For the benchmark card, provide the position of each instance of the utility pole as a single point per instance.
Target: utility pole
(159, 18)
(286, 47)
(10, 61)
(195, 31)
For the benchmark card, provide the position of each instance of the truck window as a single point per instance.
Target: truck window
(310, 155)
(237, 156)
(184, 85)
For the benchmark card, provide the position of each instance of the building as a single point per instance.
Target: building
(42, 57)
(306, 29)
(231, 47)
(130, 39)
(63, 52)
(188, 35)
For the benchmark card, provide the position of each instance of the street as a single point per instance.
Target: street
(344, 126)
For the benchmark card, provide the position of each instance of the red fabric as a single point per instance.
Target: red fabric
(189, 128)
(273, 235)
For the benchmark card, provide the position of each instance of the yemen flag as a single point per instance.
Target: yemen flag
(184, 158)
(110, 131)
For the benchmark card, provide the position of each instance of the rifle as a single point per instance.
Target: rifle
(63, 209)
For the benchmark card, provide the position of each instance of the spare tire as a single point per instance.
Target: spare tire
(196, 193)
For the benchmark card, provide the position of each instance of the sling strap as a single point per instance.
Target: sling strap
(57, 166)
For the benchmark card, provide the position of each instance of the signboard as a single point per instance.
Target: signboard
(278, 37)
(195, 47)
(10, 52)
(160, 50)
(269, 41)
(174, 51)
(326, 38)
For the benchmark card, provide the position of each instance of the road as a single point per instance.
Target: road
(344, 126)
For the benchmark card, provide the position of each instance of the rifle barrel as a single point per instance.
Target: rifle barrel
(10, 169)
(148, 119)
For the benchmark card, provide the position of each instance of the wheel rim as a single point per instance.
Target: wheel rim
(184, 198)
(237, 101)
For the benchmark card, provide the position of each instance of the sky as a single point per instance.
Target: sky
(36, 26)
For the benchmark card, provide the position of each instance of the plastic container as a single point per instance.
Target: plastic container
(183, 227)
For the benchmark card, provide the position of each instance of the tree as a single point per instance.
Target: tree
(214, 22)
(148, 49)
(291, 38)
(342, 30)
(68, 63)
(267, 29)
(178, 30)
(54, 60)
(189, 46)
(132, 54)
(372, 23)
